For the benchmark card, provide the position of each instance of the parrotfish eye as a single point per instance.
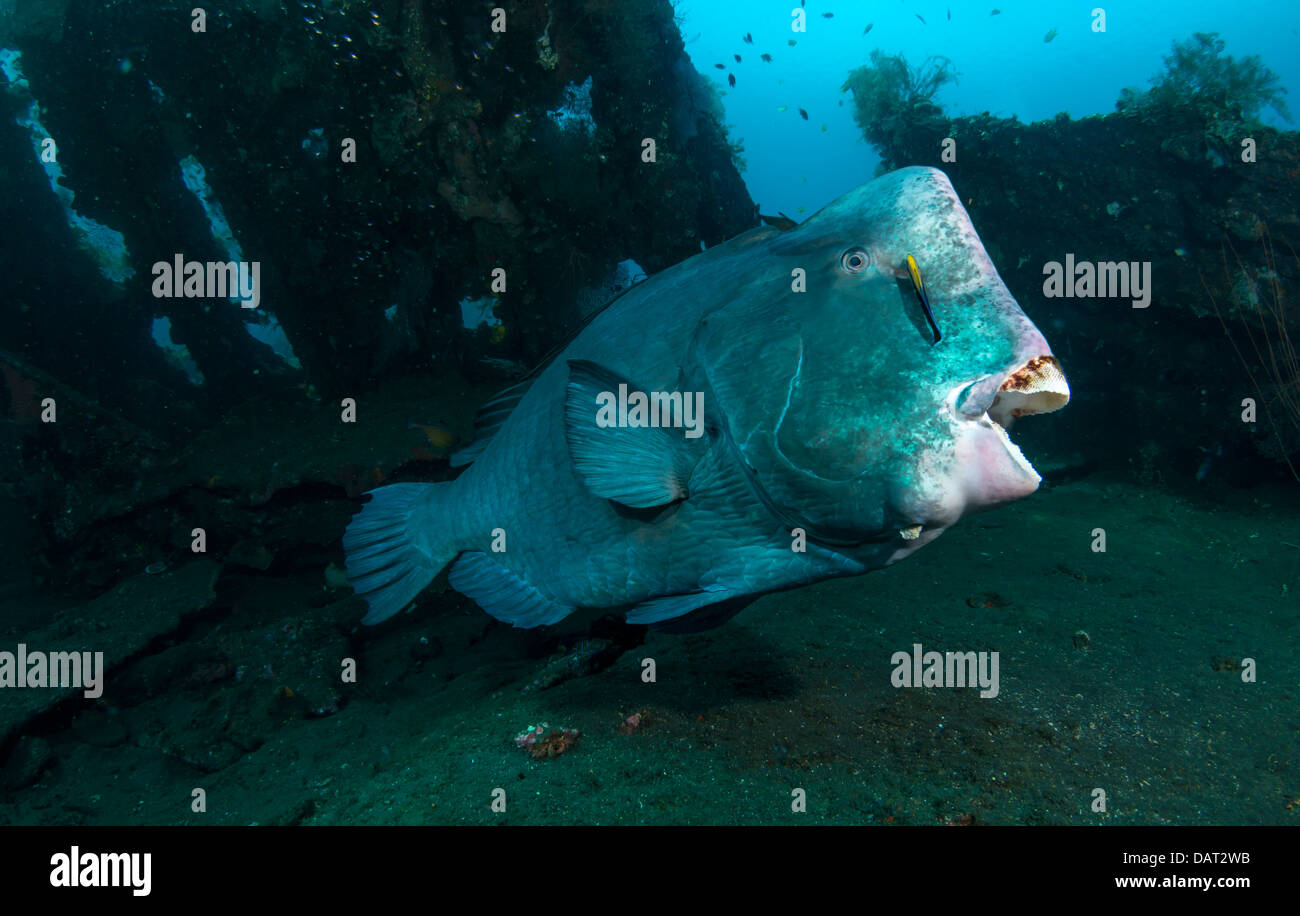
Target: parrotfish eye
(855, 261)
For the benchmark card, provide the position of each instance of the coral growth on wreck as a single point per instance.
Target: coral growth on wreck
(893, 100)
(1200, 79)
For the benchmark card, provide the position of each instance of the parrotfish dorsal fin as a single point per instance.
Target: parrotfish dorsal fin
(495, 411)
(489, 419)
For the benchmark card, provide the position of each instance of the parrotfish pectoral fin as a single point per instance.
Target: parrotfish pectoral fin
(386, 565)
(638, 466)
(502, 594)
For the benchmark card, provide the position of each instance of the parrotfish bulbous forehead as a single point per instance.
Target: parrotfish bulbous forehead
(916, 211)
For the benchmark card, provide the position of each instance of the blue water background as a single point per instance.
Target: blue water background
(1005, 65)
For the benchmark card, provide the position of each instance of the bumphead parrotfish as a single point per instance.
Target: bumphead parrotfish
(775, 411)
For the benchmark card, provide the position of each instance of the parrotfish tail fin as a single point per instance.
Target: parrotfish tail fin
(390, 558)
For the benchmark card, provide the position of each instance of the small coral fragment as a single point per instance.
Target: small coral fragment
(542, 741)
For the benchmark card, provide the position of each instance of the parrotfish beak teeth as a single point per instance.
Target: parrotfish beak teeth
(1039, 386)
(993, 469)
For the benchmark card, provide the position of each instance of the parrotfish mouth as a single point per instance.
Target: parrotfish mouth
(1039, 386)
(987, 468)
(993, 469)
